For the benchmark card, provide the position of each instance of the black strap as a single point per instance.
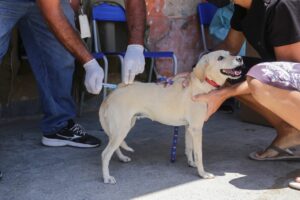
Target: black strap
(282, 152)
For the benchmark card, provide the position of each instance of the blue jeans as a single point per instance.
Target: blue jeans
(51, 63)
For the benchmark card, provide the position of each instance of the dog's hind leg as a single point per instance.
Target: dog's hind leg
(122, 157)
(126, 147)
(115, 140)
(189, 148)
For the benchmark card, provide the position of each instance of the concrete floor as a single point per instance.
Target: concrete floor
(34, 172)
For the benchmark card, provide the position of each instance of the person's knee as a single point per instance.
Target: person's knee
(255, 86)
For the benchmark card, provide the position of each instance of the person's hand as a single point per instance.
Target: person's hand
(187, 78)
(93, 76)
(213, 99)
(167, 81)
(134, 62)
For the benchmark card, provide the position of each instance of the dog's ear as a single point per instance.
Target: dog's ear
(199, 70)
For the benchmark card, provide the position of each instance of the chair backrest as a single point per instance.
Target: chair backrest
(206, 12)
(109, 12)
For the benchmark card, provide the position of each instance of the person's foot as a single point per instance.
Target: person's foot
(72, 135)
(287, 136)
(295, 184)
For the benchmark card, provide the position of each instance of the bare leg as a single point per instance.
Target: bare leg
(272, 98)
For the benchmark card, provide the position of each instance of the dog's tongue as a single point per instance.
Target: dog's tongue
(232, 72)
(237, 72)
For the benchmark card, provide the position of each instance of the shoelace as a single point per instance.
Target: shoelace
(78, 130)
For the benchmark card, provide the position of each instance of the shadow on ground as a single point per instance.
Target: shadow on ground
(32, 171)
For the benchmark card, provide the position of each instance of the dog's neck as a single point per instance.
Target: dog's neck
(212, 83)
(199, 86)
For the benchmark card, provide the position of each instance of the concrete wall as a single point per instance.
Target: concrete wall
(173, 26)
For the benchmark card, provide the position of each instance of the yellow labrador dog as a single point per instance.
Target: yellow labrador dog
(170, 105)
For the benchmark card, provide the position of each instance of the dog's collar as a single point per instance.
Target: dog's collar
(212, 83)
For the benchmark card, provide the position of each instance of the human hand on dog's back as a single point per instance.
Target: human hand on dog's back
(134, 62)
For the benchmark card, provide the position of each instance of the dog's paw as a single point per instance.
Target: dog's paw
(125, 159)
(206, 175)
(192, 163)
(110, 180)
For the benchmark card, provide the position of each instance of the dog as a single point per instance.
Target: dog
(171, 105)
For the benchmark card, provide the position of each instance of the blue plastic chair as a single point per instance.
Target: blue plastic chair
(113, 12)
(107, 12)
(206, 12)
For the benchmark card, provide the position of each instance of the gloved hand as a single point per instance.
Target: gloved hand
(93, 76)
(134, 62)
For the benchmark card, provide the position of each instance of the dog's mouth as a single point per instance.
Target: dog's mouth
(234, 73)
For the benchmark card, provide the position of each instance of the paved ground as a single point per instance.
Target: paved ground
(34, 172)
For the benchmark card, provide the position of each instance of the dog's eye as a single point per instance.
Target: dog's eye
(220, 58)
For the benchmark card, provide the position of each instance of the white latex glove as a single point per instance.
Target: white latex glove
(93, 76)
(134, 62)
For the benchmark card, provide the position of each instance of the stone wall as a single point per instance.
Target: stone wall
(173, 26)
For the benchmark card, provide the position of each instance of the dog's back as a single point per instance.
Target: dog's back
(150, 100)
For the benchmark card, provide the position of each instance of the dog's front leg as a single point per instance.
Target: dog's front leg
(196, 133)
(189, 148)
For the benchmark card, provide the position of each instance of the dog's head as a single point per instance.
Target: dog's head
(218, 66)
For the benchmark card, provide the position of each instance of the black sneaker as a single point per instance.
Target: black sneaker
(72, 135)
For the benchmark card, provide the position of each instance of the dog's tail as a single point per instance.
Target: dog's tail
(126, 147)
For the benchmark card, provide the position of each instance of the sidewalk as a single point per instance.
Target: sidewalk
(34, 172)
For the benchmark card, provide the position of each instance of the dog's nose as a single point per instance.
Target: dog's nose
(239, 59)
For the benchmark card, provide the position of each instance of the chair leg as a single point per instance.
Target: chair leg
(203, 37)
(122, 67)
(96, 37)
(151, 70)
(175, 64)
(174, 143)
(105, 76)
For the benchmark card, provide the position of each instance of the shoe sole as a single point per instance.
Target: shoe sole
(283, 158)
(61, 143)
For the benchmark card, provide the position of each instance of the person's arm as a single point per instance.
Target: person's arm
(288, 52)
(136, 20)
(70, 38)
(233, 42)
(134, 60)
(63, 30)
(215, 98)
